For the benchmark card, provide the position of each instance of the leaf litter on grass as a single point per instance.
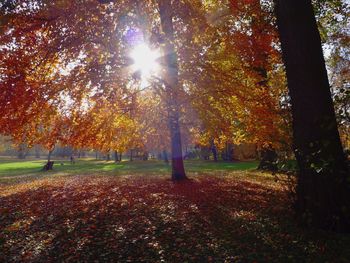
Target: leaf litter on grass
(224, 218)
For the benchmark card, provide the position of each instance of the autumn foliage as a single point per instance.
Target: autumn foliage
(224, 73)
(66, 78)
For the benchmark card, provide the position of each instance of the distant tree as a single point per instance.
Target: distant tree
(22, 151)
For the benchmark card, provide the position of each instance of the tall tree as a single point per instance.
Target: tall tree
(172, 87)
(323, 187)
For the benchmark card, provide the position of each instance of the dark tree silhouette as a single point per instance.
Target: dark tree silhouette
(323, 187)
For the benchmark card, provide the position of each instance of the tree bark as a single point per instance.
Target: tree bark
(214, 150)
(116, 159)
(172, 87)
(49, 155)
(323, 186)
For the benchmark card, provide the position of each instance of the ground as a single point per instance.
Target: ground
(97, 211)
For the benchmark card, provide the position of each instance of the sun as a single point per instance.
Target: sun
(145, 60)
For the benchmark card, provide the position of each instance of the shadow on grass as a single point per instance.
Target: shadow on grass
(150, 219)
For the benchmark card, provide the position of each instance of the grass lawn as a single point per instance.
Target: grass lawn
(97, 211)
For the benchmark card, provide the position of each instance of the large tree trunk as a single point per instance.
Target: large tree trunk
(172, 87)
(323, 187)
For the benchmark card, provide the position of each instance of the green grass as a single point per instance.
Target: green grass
(18, 170)
(14, 167)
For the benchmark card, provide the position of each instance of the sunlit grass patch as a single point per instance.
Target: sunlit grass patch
(13, 171)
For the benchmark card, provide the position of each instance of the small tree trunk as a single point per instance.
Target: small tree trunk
(131, 157)
(165, 157)
(22, 151)
(116, 156)
(268, 161)
(37, 151)
(323, 187)
(145, 156)
(49, 165)
(21, 155)
(229, 152)
(214, 151)
(120, 157)
(49, 155)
